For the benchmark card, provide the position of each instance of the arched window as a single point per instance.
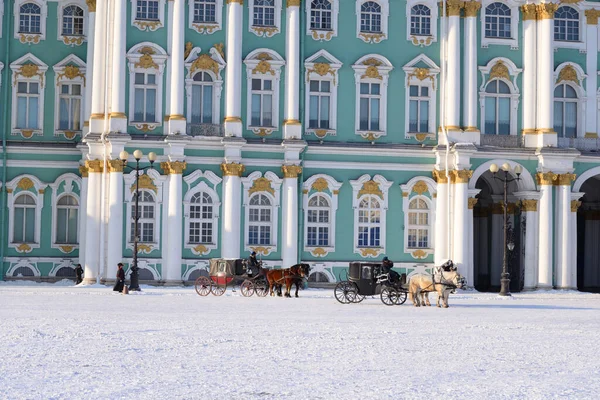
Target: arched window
(566, 24)
(147, 217)
(318, 221)
(205, 11)
(24, 223)
(565, 111)
(202, 98)
(30, 18)
(264, 13)
(370, 17)
(67, 211)
(320, 15)
(498, 21)
(201, 219)
(147, 10)
(72, 22)
(418, 224)
(260, 220)
(420, 20)
(497, 108)
(369, 222)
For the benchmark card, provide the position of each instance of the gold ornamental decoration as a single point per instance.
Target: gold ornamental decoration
(461, 176)
(372, 61)
(200, 250)
(232, 169)
(220, 47)
(25, 183)
(565, 179)
(422, 74)
(29, 71)
(471, 8)
(148, 25)
(529, 205)
(33, 38)
(263, 67)
(174, 167)
(293, 3)
(546, 178)
(454, 7)
(472, 202)
(420, 187)
(83, 171)
(439, 175)
(261, 185)
(499, 70)
(370, 187)
(421, 40)
(497, 208)
(66, 249)
(320, 185)
(529, 12)
(420, 137)
(145, 182)
(369, 252)
(291, 171)
(240, 2)
(419, 254)
(115, 165)
(91, 5)
(204, 62)
(321, 69)
(592, 16)
(189, 46)
(205, 28)
(265, 31)
(262, 250)
(318, 35)
(575, 204)
(71, 72)
(73, 40)
(568, 73)
(372, 37)
(23, 248)
(146, 61)
(319, 252)
(546, 10)
(145, 248)
(95, 166)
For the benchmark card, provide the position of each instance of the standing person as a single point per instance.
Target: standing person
(387, 265)
(253, 263)
(120, 278)
(79, 273)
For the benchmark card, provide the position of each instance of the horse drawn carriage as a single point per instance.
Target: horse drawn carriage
(229, 272)
(370, 279)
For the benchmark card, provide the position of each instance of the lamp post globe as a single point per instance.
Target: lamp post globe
(494, 168)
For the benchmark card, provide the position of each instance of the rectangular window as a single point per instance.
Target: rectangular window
(205, 11)
(320, 104)
(262, 102)
(69, 117)
(202, 107)
(28, 99)
(145, 91)
(66, 228)
(147, 10)
(418, 109)
(24, 225)
(370, 98)
(264, 14)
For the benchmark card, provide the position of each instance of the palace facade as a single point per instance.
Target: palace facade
(321, 131)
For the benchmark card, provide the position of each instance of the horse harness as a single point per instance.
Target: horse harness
(443, 282)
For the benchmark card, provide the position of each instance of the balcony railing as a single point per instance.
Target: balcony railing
(582, 144)
(501, 140)
(212, 130)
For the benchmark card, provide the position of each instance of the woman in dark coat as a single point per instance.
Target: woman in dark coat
(120, 279)
(79, 273)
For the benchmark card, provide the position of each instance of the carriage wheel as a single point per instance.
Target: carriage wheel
(218, 290)
(402, 295)
(340, 292)
(389, 296)
(353, 294)
(247, 288)
(261, 288)
(202, 286)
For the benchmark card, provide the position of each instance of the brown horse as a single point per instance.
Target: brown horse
(293, 275)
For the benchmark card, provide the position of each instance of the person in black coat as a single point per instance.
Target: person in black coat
(79, 273)
(120, 279)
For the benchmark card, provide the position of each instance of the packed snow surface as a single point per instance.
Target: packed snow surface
(87, 342)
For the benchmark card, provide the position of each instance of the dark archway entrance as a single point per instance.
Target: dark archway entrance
(588, 237)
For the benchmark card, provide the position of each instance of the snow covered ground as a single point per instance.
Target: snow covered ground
(63, 342)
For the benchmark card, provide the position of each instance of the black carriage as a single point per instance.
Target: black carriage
(226, 272)
(370, 279)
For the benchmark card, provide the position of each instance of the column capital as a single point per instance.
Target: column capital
(293, 3)
(575, 204)
(565, 179)
(115, 165)
(471, 8)
(453, 7)
(91, 5)
(83, 170)
(439, 175)
(173, 167)
(546, 10)
(472, 202)
(529, 205)
(240, 2)
(461, 176)
(497, 208)
(592, 16)
(291, 171)
(94, 166)
(232, 169)
(529, 12)
(546, 178)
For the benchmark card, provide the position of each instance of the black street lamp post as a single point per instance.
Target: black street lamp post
(134, 285)
(505, 277)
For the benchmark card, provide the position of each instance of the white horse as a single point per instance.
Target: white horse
(442, 282)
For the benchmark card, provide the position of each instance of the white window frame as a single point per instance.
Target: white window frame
(369, 37)
(206, 28)
(421, 77)
(66, 184)
(148, 25)
(265, 31)
(581, 43)
(212, 64)
(311, 187)
(372, 68)
(414, 189)
(72, 40)
(158, 183)
(505, 70)
(320, 34)
(146, 57)
(359, 191)
(513, 41)
(30, 38)
(273, 193)
(22, 71)
(579, 89)
(199, 181)
(37, 192)
(71, 70)
(322, 72)
(263, 64)
(422, 40)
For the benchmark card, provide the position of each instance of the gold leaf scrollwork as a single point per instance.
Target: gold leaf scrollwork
(499, 70)
(232, 169)
(200, 250)
(529, 205)
(73, 40)
(565, 179)
(529, 12)
(205, 28)
(265, 31)
(29, 71)
(262, 250)
(321, 69)
(370, 187)
(321, 35)
(568, 73)
(174, 167)
(220, 47)
(204, 62)
(71, 72)
(66, 249)
(262, 132)
(592, 16)
(471, 8)
(420, 187)
(372, 37)
(32, 38)
(145, 248)
(145, 182)
(419, 254)
(369, 252)
(546, 10)
(146, 61)
(440, 176)
(320, 185)
(91, 5)
(263, 67)
(461, 176)
(422, 74)
(25, 183)
(148, 25)
(546, 178)
(23, 248)
(291, 171)
(189, 46)
(261, 185)
(575, 204)
(472, 202)
(421, 137)
(372, 72)
(319, 252)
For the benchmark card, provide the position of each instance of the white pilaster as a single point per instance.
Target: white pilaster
(529, 103)
(89, 73)
(98, 86)
(177, 120)
(545, 266)
(470, 261)
(470, 67)
(460, 229)
(94, 203)
(529, 208)
(233, 72)
(291, 124)
(174, 221)
(83, 213)
(232, 199)
(497, 244)
(441, 219)
(563, 230)
(289, 223)
(453, 76)
(118, 119)
(591, 82)
(115, 219)
(575, 204)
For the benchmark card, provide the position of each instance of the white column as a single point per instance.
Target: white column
(170, 28)
(591, 82)
(233, 72)
(177, 119)
(94, 200)
(289, 213)
(484, 256)
(591, 272)
(546, 231)
(453, 77)
(83, 213)
(98, 86)
(441, 219)
(231, 219)
(292, 127)
(529, 13)
(563, 231)
(470, 264)
(115, 219)
(118, 119)
(174, 221)
(89, 70)
(461, 223)
(575, 204)
(470, 67)
(529, 208)
(545, 75)
(497, 244)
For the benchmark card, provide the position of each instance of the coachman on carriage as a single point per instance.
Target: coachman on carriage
(229, 272)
